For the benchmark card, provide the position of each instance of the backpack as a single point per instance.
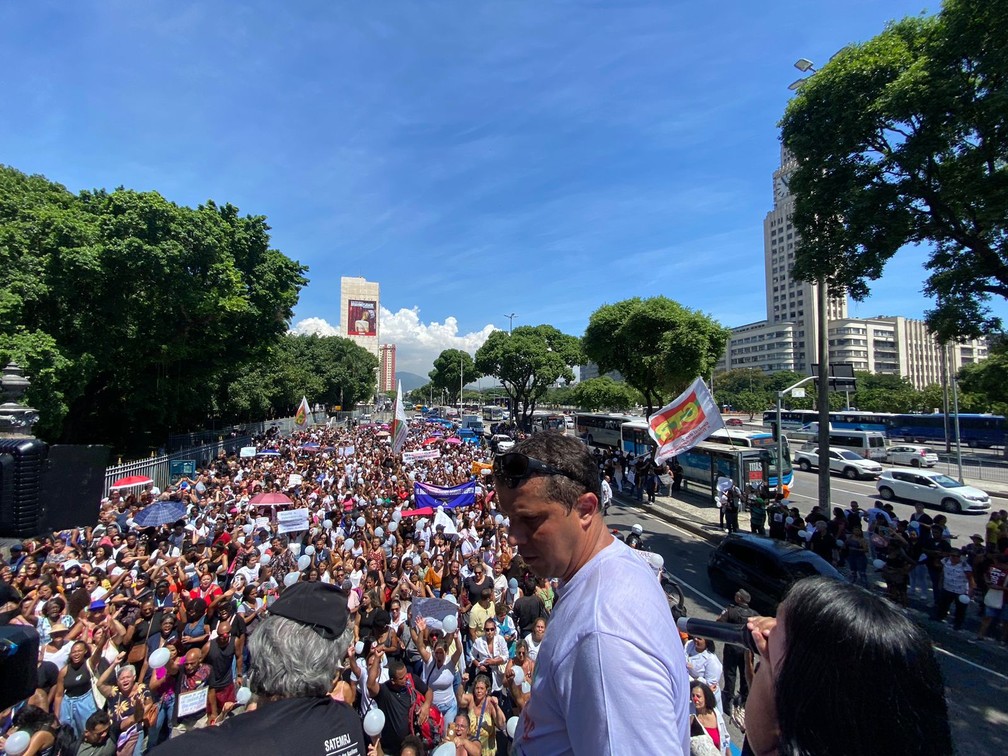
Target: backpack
(431, 731)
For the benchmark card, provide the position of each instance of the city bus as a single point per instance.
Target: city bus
(493, 414)
(790, 419)
(756, 446)
(601, 429)
(542, 420)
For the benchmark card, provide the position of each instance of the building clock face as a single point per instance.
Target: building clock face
(780, 188)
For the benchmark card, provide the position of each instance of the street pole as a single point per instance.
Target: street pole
(823, 398)
(955, 412)
(780, 445)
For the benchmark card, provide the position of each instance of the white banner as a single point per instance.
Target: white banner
(262, 522)
(294, 480)
(192, 702)
(292, 520)
(414, 456)
(247, 451)
(347, 451)
(685, 422)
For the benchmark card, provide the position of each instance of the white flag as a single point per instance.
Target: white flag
(686, 421)
(303, 415)
(399, 422)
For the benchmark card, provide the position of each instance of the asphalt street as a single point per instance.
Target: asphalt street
(975, 675)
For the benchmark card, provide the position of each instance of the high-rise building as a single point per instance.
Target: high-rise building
(386, 368)
(786, 340)
(359, 308)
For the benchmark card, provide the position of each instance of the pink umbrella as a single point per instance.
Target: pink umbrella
(430, 441)
(453, 440)
(131, 481)
(269, 499)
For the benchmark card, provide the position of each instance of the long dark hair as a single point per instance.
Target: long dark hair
(856, 677)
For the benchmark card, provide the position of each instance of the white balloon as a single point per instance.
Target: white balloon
(450, 597)
(512, 725)
(526, 687)
(803, 533)
(359, 647)
(304, 561)
(19, 740)
(374, 722)
(248, 529)
(327, 524)
(878, 564)
(789, 521)
(310, 550)
(445, 749)
(963, 598)
(348, 544)
(396, 516)
(264, 559)
(295, 549)
(499, 519)
(159, 658)
(379, 532)
(519, 675)
(361, 522)
(450, 624)
(244, 695)
(393, 526)
(290, 578)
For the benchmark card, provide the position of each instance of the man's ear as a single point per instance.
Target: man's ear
(587, 505)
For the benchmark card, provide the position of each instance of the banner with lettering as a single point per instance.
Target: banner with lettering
(414, 456)
(449, 498)
(685, 422)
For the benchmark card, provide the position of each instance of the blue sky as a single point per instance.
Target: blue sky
(474, 158)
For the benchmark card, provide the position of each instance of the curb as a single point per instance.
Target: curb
(670, 515)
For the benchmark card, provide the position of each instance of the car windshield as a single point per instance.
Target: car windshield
(850, 455)
(946, 482)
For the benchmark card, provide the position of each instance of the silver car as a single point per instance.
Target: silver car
(912, 454)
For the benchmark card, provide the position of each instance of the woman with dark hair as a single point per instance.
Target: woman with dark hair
(708, 717)
(831, 642)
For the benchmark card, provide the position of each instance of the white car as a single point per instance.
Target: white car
(501, 443)
(934, 488)
(842, 461)
(912, 454)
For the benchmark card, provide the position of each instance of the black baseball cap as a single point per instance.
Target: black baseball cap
(321, 606)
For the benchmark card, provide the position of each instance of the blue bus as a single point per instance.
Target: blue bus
(636, 440)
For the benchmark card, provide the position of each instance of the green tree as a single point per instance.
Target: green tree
(986, 383)
(922, 158)
(604, 393)
(884, 393)
(449, 367)
(752, 402)
(527, 362)
(657, 345)
(137, 313)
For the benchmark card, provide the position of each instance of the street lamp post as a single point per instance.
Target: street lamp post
(510, 318)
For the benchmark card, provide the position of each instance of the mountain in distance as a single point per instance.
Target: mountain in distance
(411, 381)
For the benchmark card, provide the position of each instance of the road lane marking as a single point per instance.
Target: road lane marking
(713, 602)
(941, 650)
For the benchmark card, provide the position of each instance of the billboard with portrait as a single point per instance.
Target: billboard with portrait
(362, 317)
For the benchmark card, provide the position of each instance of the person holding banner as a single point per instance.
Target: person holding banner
(607, 660)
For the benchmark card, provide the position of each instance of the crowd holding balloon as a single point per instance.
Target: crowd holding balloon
(146, 625)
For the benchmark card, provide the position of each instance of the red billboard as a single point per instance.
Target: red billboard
(362, 317)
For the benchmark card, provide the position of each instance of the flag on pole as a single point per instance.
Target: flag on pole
(303, 410)
(399, 422)
(686, 421)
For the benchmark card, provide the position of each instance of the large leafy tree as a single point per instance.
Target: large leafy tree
(452, 369)
(658, 345)
(604, 393)
(136, 313)
(884, 393)
(904, 139)
(527, 362)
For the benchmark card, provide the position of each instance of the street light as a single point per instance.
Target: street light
(510, 318)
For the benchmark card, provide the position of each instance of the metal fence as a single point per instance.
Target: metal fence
(974, 467)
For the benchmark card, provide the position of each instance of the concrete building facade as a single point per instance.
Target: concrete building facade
(360, 305)
(386, 368)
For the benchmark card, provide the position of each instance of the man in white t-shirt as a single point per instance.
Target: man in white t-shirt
(606, 495)
(611, 671)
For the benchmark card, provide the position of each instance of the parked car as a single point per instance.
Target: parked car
(765, 567)
(500, 443)
(734, 422)
(934, 488)
(842, 461)
(912, 454)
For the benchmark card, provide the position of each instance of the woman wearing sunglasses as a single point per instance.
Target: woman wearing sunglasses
(549, 487)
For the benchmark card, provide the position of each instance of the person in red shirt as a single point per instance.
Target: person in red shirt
(208, 590)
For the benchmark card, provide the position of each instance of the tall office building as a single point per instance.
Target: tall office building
(786, 340)
(386, 368)
(359, 308)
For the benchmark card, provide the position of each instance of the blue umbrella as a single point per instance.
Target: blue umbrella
(160, 513)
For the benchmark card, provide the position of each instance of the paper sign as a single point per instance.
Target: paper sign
(292, 520)
(247, 451)
(413, 456)
(193, 702)
(262, 522)
(294, 480)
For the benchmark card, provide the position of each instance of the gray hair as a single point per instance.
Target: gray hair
(291, 660)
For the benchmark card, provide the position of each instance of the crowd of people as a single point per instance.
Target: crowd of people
(427, 625)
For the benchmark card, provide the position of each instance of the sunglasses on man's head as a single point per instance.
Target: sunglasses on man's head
(514, 467)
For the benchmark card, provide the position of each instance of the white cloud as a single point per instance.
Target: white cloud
(417, 343)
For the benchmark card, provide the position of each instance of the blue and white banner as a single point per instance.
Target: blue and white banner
(449, 498)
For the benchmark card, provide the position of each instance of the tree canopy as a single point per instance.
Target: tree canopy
(604, 393)
(452, 369)
(132, 315)
(903, 139)
(527, 362)
(658, 345)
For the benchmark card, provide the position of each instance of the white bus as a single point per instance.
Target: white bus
(600, 429)
(493, 414)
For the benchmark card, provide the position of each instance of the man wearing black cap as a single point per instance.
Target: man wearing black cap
(296, 653)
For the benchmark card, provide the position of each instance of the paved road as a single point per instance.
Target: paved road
(976, 677)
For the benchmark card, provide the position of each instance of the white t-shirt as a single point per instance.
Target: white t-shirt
(442, 681)
(608, 659)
